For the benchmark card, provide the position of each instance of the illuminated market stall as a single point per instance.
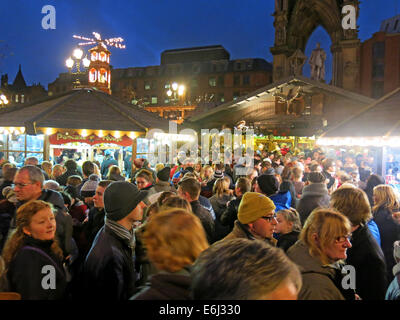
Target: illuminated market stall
(375, 130)
(87, 121)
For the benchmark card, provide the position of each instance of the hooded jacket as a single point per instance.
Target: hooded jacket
(219, 205)
(314, 195)
(282, 200)
(318, 279)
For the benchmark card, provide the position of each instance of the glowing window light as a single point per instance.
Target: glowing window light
(101, 134)
(117, 134)
(84, 133)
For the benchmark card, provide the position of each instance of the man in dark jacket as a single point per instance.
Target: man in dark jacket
(229, 215)
(189, 189)
(72, 170)
(328, 170)
(315, 194)
(28, 183)
(109, 269)
(107, 162)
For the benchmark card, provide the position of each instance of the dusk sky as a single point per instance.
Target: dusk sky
(243, 27)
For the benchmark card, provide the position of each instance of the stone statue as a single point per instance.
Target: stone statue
(317, 63)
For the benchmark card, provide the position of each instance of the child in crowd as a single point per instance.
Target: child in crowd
(288, 228)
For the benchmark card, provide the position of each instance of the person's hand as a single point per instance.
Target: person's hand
(357, 297)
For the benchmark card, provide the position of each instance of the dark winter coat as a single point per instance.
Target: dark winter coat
(109, 270)
(285, 241)
(330, 178)
(390, 232)
(25, 271)
(62, 180)
(205, 202)
(320, 282)
(7, 210)
(161, 186)
(205, 218)
(229, 215)
(94, 224)
(314, 195)
(367, 258)
(166, 286)
(219, 205)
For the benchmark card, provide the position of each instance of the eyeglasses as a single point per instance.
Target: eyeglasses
(269, 218)
(343, 239)
(21, 185)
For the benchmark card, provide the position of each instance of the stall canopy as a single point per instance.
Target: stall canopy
(377, 124)
(296, 106)
(89, 110)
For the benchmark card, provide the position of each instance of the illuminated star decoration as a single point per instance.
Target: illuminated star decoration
(112, 42)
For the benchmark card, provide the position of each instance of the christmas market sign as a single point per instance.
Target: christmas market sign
(61, 138)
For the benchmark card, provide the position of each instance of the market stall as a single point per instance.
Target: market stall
(374, 131)
(84, 121)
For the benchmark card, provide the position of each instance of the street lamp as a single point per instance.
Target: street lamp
(3, 100)
(178, 90)
(76, 59)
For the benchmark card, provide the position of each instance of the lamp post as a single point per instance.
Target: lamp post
(178, 90)
(76, 60)
(3, 100)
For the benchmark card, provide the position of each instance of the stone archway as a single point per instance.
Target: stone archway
(295, 21)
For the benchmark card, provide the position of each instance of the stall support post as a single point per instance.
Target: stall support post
(46, 148)
(381, 155)
(384, 157)
(134, 153)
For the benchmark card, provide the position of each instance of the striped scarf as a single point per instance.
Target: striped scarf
(127, 236)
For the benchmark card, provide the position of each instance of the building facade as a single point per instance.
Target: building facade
(380, 60)
(19, 92)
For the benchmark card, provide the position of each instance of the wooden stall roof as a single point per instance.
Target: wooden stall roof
(378, 119)
(265, 95)
(83, 108)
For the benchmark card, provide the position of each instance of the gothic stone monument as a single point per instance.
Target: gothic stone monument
(296, 20)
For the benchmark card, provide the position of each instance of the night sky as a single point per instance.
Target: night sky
(243, 27)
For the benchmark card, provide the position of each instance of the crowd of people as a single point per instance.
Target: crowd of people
(286, 228)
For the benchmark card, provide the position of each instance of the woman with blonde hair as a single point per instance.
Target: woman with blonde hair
(320, 252)
(386, 211)
(222, 195)
(365, 256)
(207, 181)
(31, 249)
(174, 239)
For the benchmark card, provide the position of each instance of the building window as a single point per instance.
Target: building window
(246, 79)
(395, 25)
(154, 100)
(167, 86)
(212, 82)
(147, 85)
(378, 50)
(236, 80)
(16, 98)
(238, 66)
(377, 89)
(220, 81)
(221, 97)
(236, 95)
(22, 98)
(378, 70)
(194, 83)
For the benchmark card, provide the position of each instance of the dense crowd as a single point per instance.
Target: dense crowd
(298, 226)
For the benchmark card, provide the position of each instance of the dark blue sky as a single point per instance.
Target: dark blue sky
(243, 27)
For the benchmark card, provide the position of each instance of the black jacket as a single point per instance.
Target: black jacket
(219, 205)
(166, 286)
(62, 180)
(94, 224)
(367, 258)
(109, 271)
(314, 195)
(330, 178)
(390, 232)
(25, 271)
(285, 241)
(205, 218)
(229, 215)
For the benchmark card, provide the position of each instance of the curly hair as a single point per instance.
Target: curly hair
(24, 218)
(174, 239)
